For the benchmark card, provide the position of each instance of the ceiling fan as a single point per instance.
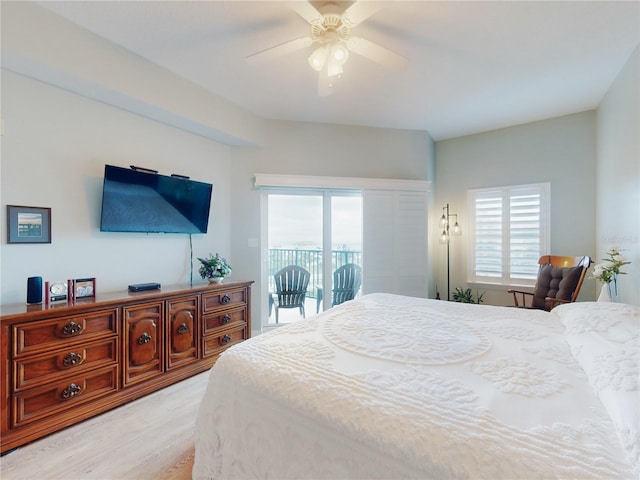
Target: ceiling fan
(331, 27)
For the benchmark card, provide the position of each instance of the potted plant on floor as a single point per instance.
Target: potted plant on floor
(214, 268)
(465, 296)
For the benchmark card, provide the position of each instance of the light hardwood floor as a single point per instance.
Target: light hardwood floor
(149, 438)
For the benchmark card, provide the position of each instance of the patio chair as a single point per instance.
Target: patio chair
(559, 281)
(346, 283)
(291, 288)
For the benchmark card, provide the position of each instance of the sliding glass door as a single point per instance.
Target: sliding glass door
(311, 233)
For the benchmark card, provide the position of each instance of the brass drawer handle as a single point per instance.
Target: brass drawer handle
(71, 359)
(226, 339)
(183, 329)
(71, 391)
(144, 338)
(226, 319)
(225, 299)
(72, 328)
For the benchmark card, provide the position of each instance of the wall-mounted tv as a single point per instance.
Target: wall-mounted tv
(136, 200)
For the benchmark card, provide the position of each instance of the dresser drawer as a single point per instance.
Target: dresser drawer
(214, 344)
(36, 370)
(63, 398)
(224, 299)
(223, 320)
(35, 337)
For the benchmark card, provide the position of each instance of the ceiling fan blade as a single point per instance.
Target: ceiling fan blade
(306, 11)
(359, 11)
(279, 50)
(375, 52)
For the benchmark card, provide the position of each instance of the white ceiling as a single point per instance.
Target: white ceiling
(474, 66)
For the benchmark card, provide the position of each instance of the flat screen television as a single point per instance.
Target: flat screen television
(134, 200)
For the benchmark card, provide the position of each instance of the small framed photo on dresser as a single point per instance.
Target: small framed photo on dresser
(84, 288)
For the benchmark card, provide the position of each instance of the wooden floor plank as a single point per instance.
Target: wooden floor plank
(149, 438)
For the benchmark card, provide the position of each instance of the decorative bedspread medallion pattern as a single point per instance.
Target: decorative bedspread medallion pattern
(522, 378)
(617, 370)
(418, 387)
(402, 334)
(556, 353)
(595, 320)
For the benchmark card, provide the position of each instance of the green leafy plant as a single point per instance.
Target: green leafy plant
(608, 272)
(214, 266)
(466, 296)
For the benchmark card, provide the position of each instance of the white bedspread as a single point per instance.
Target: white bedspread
(391, 387)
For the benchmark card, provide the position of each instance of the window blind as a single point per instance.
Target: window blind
(488, 224)
(510, 233)
(524, 234)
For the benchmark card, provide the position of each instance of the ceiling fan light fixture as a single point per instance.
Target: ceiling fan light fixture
(330, 35)
(317, 58)
(339, 53)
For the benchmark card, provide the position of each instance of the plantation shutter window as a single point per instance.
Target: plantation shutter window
(511, 232)
(488, 245)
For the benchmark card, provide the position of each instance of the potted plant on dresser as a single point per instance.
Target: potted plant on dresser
(214, 268)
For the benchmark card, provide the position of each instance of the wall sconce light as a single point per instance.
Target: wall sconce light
(447, 231)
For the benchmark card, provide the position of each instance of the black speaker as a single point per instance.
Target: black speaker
(34, 290)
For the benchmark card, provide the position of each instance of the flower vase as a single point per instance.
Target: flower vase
(613, 288)
(604, 293)
(216, 279)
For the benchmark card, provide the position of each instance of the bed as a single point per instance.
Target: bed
(395, 387)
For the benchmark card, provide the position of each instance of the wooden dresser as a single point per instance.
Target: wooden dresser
(64, 363)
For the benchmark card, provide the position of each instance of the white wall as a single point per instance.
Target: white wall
(618, 175)
(560, 150)
(54, 149)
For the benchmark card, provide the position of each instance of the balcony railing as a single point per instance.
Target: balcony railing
(311, 260)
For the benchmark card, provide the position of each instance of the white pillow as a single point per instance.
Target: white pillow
(605, 340)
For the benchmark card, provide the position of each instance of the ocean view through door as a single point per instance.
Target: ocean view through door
(305, 228)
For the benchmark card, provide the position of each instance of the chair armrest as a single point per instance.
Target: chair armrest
(515, 298)
(511, 290)
(555, 301)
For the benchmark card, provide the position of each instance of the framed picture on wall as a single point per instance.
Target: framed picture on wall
(28, 224)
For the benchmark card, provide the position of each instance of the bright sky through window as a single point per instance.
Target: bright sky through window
(295, 221)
